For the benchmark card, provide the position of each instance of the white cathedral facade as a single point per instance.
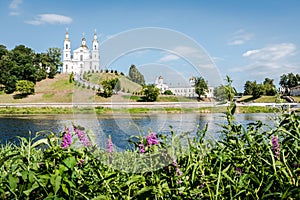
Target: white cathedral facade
(81, 59)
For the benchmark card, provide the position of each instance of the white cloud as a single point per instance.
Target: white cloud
(14, 13)
(240, 37)
(15, 4)
(50, 19)
(270, 61)
(168, 58)
(14, 7)
(272, 52)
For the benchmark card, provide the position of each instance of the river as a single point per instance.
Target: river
(119, 126)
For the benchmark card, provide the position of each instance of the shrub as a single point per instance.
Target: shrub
(247, 162)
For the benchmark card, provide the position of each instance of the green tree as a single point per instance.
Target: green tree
(151, 93)
(108, 87)
(219, 93)
(71, 77)
(201, 87)
(40, 62)
(289, 80)
(292, 80)
(248, 87)
(168, 92)
(54, 61)
(135, 76)
(269, 87)
(25, 87)
(258, 90)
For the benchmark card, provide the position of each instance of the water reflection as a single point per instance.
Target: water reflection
(120, 127)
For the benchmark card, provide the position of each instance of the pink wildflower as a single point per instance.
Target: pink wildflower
(67, 139)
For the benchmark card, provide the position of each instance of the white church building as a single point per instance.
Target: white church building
(81, 59)
(187, 90)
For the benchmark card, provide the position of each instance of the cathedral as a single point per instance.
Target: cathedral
(82, 59)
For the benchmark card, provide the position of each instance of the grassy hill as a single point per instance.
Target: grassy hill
(126, 84)
(50, 90)
(59, 90)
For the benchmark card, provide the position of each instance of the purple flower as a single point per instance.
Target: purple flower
(179, 182)
(109, 146)
(239, 171)
(177, 167)
(142, 148)
(67, 139)
(178, 171)
(152, 139)
(81, 161)
(275, 147)
(82, 137)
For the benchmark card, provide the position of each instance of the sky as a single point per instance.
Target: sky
(247, 40)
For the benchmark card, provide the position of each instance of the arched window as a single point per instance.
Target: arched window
(67, 46)
(95, 47)
(81, 57)
(66, 67)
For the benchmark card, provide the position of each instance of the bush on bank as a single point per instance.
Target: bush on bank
(252, 162)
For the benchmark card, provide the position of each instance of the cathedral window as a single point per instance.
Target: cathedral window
(95, 47)
(67, 46)
(81, 57)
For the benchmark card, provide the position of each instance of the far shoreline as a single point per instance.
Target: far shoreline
(139, 108)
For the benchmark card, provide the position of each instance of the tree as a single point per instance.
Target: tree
(201, 87)
(269, 87)
(71, 77)
(248, 87)
(25, 87)
(289, 80)
(108, 86)
(257, 91)
(54, 62)
(151, 93)
(135, 76)
(168, 92)
(219, 93)
(292, 80)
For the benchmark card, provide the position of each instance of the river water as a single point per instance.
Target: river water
(120, 126)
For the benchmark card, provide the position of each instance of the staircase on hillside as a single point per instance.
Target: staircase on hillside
(289, 99)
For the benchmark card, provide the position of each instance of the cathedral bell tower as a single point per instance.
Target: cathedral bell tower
(95, 54)
(67, 53)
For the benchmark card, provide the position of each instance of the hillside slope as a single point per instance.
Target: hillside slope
(126, 84)
(49, 90)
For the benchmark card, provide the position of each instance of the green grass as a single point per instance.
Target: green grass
(47, 96)
(262, 99)
(172, 98)
(102, 110)
(297, 99)
(134, 98)
(126, 84)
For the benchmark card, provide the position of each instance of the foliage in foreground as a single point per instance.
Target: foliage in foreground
(251, 162)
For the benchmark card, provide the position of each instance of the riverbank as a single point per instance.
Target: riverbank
(137, 107)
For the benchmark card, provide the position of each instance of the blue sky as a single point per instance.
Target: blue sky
(247, 40)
